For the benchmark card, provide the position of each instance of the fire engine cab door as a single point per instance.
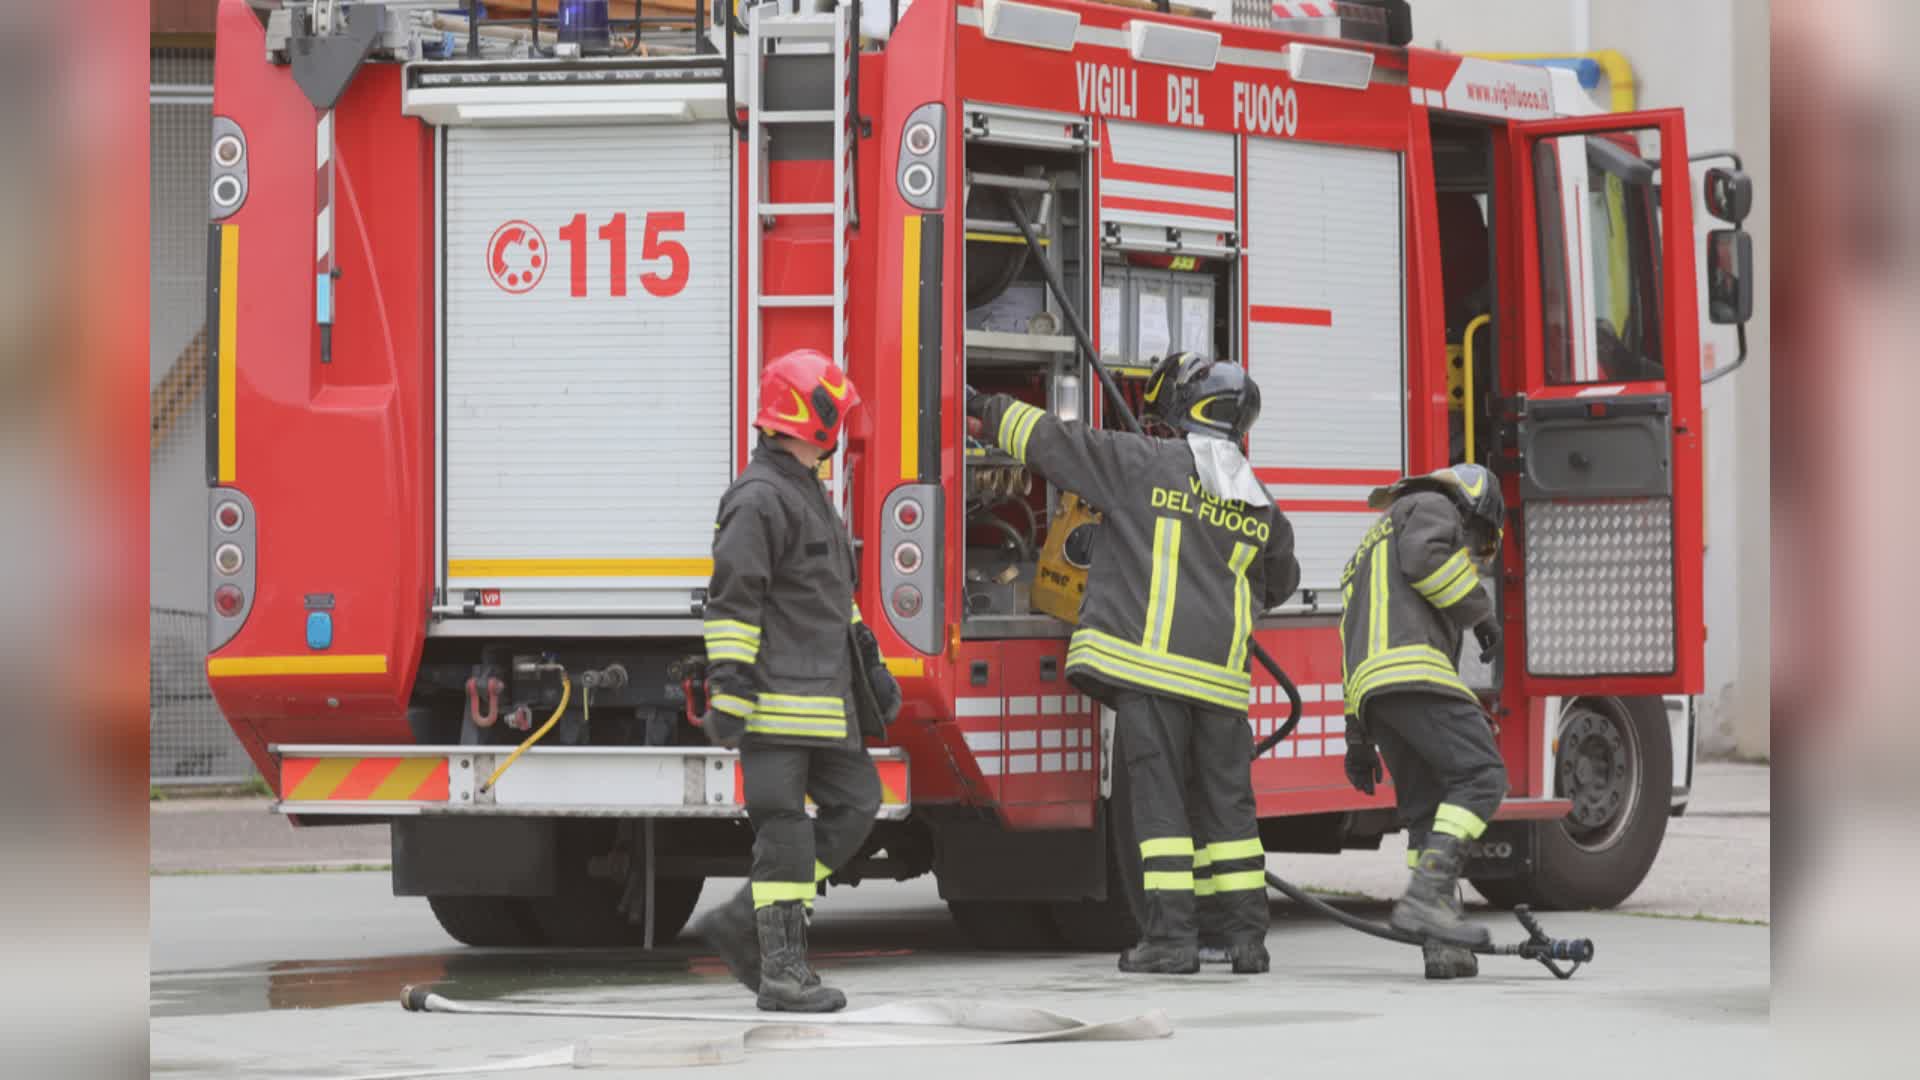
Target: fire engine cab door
(588, 390)
(1605, 504)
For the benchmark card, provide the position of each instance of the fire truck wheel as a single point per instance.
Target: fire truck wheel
(1614, 759)
(486, 921)
(1004, 925)
(584, 910)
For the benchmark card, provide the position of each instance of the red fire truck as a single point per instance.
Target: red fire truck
(488, 299)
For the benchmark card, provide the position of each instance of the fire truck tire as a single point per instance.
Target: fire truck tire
(1004, 925)
(586, 913)
(1615, 761)
(486, 921)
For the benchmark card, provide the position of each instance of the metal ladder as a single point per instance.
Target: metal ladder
(768, 29)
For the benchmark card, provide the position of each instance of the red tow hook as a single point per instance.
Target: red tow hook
(696, 694)
(492, 715)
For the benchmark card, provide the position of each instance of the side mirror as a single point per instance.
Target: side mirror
(1729, 276)
(1729, 194)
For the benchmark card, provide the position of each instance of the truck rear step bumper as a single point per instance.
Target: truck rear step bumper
(561, 781)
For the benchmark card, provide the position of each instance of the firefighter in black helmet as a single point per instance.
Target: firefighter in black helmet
(1192, 550)
(1411, 593)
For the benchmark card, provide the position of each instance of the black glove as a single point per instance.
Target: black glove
(886, 690)
(1488, 635)
(976, 404)
(723, 729)
(886, 693)
(1363, 766)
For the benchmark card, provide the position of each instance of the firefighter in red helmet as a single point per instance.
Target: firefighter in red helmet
(782, 588)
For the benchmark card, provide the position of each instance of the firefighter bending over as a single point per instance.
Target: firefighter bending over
(779, 688)
(1411, 592)
(1191, 549)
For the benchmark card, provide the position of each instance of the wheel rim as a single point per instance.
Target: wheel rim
(1598, 765)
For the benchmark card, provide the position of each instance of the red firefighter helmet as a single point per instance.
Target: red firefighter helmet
(805, 395)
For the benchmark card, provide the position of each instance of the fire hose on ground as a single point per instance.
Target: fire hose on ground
(1549, 952)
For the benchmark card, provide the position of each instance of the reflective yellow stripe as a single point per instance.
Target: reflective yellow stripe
(1236, 849)
(801, 705)
(1169, 880)
(1202, 886)
(1458, 821)
(856, 614)
(732, 627)
(1462, 587)
(1241, 559)
(733, 706)
(1201, 860)
(761, 724)
(1161, 592)
(1413, 859)
(1166, 846)
(1240, 881)
(1377, 600)
(322, 664)
(1183, 666)
(1016, 428)
(228, 389)
(1411, 671)
(821, 871)
(1130, 672)
(910, 346)
(774, 892)
(1441, 578)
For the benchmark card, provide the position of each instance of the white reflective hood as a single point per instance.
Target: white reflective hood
(1225, 472)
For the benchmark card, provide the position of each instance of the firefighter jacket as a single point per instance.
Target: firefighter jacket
(1409, 592)
(779, 609)
(1178, 574)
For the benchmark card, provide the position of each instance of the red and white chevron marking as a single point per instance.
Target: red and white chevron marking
(323, 215)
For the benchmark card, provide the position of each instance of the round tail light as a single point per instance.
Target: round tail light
(227, 558)
(228, 600)
(906, 514)
(906, 601)
(906, 557)
(228, 516)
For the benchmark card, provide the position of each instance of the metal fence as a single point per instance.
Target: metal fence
(190, 742)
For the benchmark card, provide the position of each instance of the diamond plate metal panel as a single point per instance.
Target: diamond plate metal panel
(1599, 587)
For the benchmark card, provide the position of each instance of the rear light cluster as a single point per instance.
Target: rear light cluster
(230, 564)
(909, 574)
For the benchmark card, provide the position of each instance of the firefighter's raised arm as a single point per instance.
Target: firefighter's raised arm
(1432, 543)
(747, 544)
(1094, 465)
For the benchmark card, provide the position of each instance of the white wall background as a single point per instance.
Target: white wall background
(1708, 57)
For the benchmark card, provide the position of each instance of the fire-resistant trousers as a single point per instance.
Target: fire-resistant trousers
(1169, 745)
(1447, 773)
(792, 855)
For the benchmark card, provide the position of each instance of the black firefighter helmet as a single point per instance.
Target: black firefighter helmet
(1188, 392)
(1472, 488)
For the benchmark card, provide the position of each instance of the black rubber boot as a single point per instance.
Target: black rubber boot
(1449, 961)
(1249, 958)
(1161, 958)
(787, 984)
(729, 930)
(1431, 905)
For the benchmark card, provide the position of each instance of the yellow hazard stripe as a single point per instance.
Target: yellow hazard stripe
(910, 347)
(319, 664)
(565, 568)
(229, 346)
(321, 782)
(405, 779)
